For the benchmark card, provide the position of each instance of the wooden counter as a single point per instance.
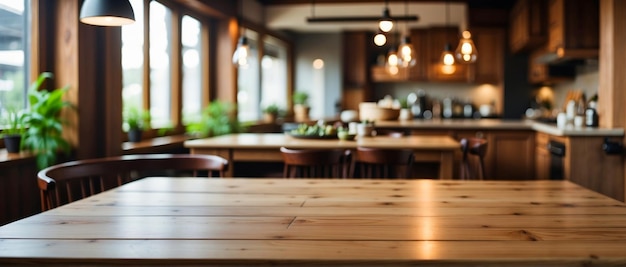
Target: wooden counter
(325, 222)
(266, 147)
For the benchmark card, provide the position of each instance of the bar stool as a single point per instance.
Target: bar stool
(315, 163)
(383, 163)
(473, 161)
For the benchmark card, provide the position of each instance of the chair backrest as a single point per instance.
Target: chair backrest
(67, 182)
(382, 163)
(315, 163)
(473, 161)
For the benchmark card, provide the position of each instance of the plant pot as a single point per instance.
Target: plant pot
(134, 135)
(269, 117)
(301, 112)
(12, 143)
(405, 114)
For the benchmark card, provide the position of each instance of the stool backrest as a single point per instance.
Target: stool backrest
(315, 163)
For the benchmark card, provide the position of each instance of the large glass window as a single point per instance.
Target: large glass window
(132, 59)
(14, 31)
(248, 81)
(191, 35)
(264, 83)
(274, 73)
(160, 67)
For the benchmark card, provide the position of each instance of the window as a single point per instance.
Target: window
(274, 73)
(132, 59)
(149, 78)
(160, 69)
(14, 34)
(248, 95)
(262, 83)
(191, 35)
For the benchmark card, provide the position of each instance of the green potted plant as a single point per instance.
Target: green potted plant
(405, 110)
(300, 106)
(271, 112)
(217, 119)
(44, 136)
(135, 122)
(14, 128)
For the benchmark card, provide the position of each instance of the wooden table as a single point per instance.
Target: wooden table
(177, 221)
(266, 147)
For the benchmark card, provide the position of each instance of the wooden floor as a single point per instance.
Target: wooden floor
(174, 221)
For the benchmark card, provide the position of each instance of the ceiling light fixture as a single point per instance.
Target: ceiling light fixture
(107, 12)
(315, 19)
(385, 23)
(380, 39)
(466, 51)
(242, 52)
(447, 56)
(406, 50)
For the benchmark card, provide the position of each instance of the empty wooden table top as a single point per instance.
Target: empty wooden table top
(176, 221)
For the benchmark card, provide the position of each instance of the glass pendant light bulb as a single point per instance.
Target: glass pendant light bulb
(406, 53)
(242, 53)
(392, 61)
(466, 51)
(447, 60)
(385, 24)
(380, 39)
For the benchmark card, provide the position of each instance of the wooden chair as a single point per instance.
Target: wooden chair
(382, 163)
(67, 182)
(315, 163)
(473, 161)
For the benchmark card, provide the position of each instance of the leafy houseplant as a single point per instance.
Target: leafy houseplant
(136, 121)
(44, 136)
(271, 112)
(13, 131)
(217, 119)
(300, 107)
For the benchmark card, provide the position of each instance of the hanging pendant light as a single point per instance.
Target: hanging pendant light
(392, 61)
(466, 50)
(447, 60)
(241, 56)
(385, 23)
(406, 50)
(380, 39)
(107, 12)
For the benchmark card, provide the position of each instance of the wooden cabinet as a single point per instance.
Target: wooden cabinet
(437, 39)
(527, 25)
(355, 69)
(573, 28)
(542, 73)
(489, 67)
(510, 153)
(542, 157)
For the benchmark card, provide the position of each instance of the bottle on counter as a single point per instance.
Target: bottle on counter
(591, 115)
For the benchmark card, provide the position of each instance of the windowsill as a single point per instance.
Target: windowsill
(7, 158)
(152, 144)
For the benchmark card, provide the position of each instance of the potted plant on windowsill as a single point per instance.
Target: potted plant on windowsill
(13, 131)
(300, 107)
(135, 122)
(270, 113)
(217, 118)
(44, 136)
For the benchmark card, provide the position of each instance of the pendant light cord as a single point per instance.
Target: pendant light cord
(313, 8)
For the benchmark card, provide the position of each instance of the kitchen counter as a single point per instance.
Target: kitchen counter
(499, 124)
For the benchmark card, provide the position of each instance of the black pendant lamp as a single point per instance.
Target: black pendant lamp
(107, 12)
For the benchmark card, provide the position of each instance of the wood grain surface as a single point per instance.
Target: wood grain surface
(320, 222)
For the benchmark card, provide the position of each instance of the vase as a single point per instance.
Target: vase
(134, 135)
(301, 112)
(12, 143)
